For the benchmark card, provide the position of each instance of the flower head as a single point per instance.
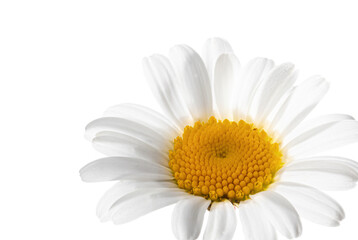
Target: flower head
(233, 141)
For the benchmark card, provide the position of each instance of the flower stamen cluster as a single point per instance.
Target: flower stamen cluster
(224, 160)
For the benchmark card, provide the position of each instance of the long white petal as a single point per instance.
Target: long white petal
(311, 203)
(212, 50)
(347, 167)
(144, 116)
(143, 201)
(254, 224)
(164, 84)
(348, 162)
(246, 87)
(222, 222)
(299, 104)
(277, 83)
(195, 82)
(322, 174)
(315, 125)
(117, 144)
(120, 189)
(188, 217)
(118, 168)
(328, 136)
(130, 128)
(280, 213)
(225, 75)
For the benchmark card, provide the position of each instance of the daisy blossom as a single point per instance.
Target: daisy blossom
(233, 141)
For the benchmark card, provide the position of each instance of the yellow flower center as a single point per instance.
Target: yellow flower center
(224, 160)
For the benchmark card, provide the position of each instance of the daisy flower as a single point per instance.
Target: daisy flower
(233, 141)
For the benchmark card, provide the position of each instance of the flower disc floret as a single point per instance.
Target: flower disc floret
(224, 160)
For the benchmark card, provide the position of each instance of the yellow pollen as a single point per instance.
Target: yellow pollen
(224, 160)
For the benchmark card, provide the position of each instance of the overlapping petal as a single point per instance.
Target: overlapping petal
(276, 84)
(222, 222)
(144, 116)
(280, 212)
(326, 174)
(299, 104)
(117, 144)
(119, 168)
(194, 81)
(142, 202)
(128, 127)
(212, 50)
(247, 85)
(164, 84)
(323, 137)
(315, 125)
(311, 203)
(121, 189)
(226, 74)
(254, 224)
(188, 217)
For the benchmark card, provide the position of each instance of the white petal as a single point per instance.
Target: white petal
(164, 84)
(116, 168)
(249, 81)
(222, 222)
(143, 201)
(324, 165)
(117, 144)
(225, 75)
(316, 125)
(348, 162)
(130, 128)
(195, 82)
(188, 217)
(144, 116)
(328, 136)
(212, 50)
(254, 223)
(321, 180)
(322, 174)
(311, 203)
(282, 215)
(299, 104)
(273, 88)
(120, 189)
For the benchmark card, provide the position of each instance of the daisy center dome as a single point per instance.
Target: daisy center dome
(224, 160)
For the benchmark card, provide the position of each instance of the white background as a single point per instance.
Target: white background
(62, 63)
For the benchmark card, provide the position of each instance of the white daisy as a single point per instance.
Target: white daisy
(233, 142)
